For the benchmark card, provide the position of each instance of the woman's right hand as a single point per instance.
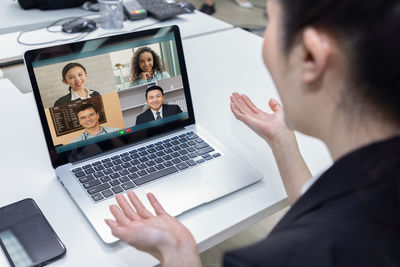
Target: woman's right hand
(270, 127)
(282, 140)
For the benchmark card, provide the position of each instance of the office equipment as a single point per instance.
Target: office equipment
(79, 25)
(49, 5)
(26, 237)
(185, 189)
(133, 10)
(161, 9)
(111, 14)
(191, 25)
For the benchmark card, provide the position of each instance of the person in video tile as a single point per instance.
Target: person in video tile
(75, 76)
(88, 117)
(147, 67)
(157, 109)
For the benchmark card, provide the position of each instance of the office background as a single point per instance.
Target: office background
(100, 78)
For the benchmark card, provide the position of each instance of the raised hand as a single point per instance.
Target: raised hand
(160, 235)
(281, 139)
(268, 126)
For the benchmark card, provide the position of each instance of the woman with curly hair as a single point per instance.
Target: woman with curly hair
(147, 67)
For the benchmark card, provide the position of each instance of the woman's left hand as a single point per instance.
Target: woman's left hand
(162, 235)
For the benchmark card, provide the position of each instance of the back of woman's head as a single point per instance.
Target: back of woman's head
(135, 68)
(369, 31)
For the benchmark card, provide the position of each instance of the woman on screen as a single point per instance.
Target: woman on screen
(147, 67)
(75, 76)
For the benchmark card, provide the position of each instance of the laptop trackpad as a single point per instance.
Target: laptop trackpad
(181, 194)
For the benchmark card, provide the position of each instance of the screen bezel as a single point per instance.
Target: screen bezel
(91, 150)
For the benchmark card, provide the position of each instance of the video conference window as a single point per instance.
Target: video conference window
(66, 118)
(146, 64)
(103, 93)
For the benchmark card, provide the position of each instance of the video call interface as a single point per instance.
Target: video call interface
(99, 94)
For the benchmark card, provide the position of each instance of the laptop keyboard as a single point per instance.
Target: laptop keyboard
(104, 178)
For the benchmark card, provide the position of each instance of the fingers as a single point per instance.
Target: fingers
(116, 230)
(238, 114)
(249, 103)
(126, 208)
(139, 207)
(119, 216)
(240, 104)
(112, 224)
(274, 105)
(124, 214)
(244, 104)
(156, 205)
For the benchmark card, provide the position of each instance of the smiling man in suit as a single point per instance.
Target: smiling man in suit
(157, 109)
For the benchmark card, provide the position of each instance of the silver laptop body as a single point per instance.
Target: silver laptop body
(84, 167)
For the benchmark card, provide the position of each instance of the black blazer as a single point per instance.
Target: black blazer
(167, 110)
(67, 98)
(349, 217)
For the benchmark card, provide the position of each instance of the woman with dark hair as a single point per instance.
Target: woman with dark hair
(147, 67)
(75, 76)
(336, 66)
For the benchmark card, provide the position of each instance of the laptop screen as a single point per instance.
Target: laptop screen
(97, 95)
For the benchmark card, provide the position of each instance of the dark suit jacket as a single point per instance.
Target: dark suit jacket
(349, 217)
(167, 110)
(67, 98)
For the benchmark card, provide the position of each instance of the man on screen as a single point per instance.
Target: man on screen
(157, 108)
(88, 117)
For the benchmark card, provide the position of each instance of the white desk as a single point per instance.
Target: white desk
(232, 61)
(191, 25)
(13, 18)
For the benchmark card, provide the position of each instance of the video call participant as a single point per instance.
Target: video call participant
(75, 75)
(147, 67)
(157, 108)
(88, 117)
(336, 67)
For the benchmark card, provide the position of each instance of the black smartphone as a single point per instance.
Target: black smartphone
(26, 237)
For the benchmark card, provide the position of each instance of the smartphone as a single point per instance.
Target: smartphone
(26, 237)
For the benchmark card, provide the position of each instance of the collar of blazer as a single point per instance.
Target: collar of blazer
(359, 169)
(150, 111)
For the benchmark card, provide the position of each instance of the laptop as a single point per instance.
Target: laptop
(101, 143)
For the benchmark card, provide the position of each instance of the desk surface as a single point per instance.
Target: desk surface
(191, 25)
(213, 76)
(13, 18)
